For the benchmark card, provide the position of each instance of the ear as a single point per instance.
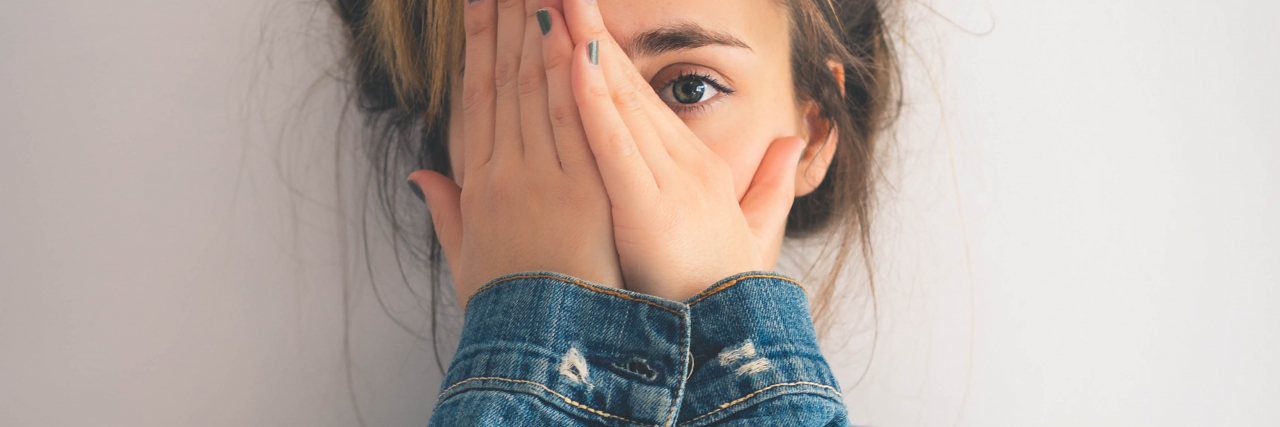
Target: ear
(822, 137)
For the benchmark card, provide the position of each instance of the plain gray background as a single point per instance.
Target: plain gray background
(1082, 228)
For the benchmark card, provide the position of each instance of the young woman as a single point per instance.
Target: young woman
(610, 184)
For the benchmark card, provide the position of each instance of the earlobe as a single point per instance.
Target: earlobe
(817, 155)
(823, 138)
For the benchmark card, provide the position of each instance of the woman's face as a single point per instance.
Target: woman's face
(726, 71)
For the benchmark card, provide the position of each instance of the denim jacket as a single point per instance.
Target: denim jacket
(546, 349)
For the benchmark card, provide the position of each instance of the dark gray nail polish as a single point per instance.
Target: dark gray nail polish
(544, 21)
(417, 191)
(593, 52)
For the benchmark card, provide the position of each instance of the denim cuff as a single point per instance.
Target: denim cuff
(602, 354)
(609, 356)
(752, 340)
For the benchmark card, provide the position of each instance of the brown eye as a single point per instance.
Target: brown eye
(688, 90)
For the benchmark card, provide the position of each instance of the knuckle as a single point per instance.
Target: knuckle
(723, 172)
(724, 178)
(563, 115)
(598, 91)
(475, 94)
(621, 142)
(504, 72)
(647, 95)
(638, 82)
(500, 185)
(507, 4)
(630, 109)
(714, 171)
(530, 81)
(477, 25)
(626, 98)
(718, 164)
(596, 28)
(705, 175)
(556, 59)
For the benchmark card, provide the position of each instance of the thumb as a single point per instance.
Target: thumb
(442, 196)
(772, 191)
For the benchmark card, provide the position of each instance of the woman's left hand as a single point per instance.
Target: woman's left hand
(678, 224)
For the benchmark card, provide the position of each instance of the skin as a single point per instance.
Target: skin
(637, 190)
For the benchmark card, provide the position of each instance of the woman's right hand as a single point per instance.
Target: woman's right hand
(532, 198)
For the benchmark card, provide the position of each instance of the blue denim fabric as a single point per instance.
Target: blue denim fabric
(546, 349)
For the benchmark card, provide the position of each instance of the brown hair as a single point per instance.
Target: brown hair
(404, 57)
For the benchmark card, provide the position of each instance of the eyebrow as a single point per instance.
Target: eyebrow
(680, 36)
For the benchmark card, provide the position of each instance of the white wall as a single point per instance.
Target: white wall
(1111, 169)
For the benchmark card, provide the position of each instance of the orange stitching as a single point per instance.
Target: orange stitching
(549, 390)
(735, 281)
(743, 398)
(584, 285)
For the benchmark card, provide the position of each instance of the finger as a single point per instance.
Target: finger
(772, 190)
(506, 71)
(442, 196)
(562, 110)
(632, 95)
(623, 169)
(535, 124)
(586, 24)
(479, 21)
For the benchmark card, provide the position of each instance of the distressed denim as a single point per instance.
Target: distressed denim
(546, 349)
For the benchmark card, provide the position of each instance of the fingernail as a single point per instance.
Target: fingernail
(593, 52)
(417, 191)
(544, 21)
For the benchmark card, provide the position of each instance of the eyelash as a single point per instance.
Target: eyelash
(698, 108)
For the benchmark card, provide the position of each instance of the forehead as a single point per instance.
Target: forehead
(756, 22)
